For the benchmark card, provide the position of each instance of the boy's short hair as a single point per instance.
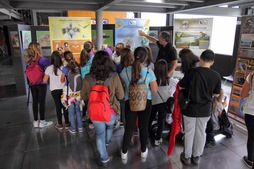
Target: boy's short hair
(207, 55)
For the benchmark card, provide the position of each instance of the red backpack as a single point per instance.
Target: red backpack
(34, 72)
(99, 101)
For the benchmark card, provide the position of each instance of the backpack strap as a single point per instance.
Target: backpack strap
(146, 73)
(145, 76)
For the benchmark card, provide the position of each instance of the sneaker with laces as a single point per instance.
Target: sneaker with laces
(247, 162)
(135, 133)
(58, 126)
(106, 163)
(116, 124)
(195, 160)
(36, 124)
(144, 154)
(44, 123)
(124, 155)
(72, 131)
(80, 130)
(158, 142)
(121, 124)
(185, 161)
(67, 126)
(91, 126)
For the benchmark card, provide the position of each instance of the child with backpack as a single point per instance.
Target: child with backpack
(54, 73)
(102, 89)
(167, 87)
(139, 81)
(71, 92)
(36, 65)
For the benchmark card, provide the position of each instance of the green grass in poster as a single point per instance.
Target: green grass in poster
(107, 37)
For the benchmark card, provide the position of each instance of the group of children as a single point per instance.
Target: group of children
(132, 67)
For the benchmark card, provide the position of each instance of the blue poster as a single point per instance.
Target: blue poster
(127, 32)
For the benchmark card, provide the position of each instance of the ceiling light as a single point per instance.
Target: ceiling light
(223, 6)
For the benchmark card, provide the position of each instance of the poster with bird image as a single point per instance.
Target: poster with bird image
(193, 33)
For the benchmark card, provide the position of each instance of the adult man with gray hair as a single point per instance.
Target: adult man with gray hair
(166, 50)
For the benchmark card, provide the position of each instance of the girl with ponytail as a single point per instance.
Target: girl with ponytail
(132, 75)
(71, 99)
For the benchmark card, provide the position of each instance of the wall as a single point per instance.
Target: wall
(105, 15)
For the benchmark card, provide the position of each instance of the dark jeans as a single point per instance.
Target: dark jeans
(249, 121)
(122, 107)
(209, 130)
(162, 113)
(143, 120)
(39, 97)
(84, 111)
(56, 94)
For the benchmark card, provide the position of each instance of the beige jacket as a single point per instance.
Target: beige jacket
(116, 91)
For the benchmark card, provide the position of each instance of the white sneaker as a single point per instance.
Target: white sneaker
(80, 130)
(36, 124)
(124, 155)
(158, 142)
(44, 123)
(144, 154)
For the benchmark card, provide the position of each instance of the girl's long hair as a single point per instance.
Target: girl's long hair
(102, 66)
(72, 64)
(127, 57)
(149, 55)
(84, 54)
(161, 71)
(140, 55)
(33, 52)
(188, 59)
(56, 61)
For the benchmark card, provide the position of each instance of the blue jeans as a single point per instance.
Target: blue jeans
(75, 116)
(104, 132)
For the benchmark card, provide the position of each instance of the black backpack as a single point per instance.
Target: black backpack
(226, 127)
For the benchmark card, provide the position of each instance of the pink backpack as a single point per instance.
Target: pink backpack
(34, 72)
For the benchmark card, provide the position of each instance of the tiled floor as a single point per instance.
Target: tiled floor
(23, 147)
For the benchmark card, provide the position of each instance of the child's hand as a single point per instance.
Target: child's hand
(225, 102)
(105, 46)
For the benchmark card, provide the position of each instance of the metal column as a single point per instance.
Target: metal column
(99, 30)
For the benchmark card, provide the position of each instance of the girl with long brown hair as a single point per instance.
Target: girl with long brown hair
(132, 75)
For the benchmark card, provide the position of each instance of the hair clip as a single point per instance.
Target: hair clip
(137, 57)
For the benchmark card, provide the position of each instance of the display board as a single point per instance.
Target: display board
(69, 33)
(193, 33)
(244, 65)
(126, 31)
